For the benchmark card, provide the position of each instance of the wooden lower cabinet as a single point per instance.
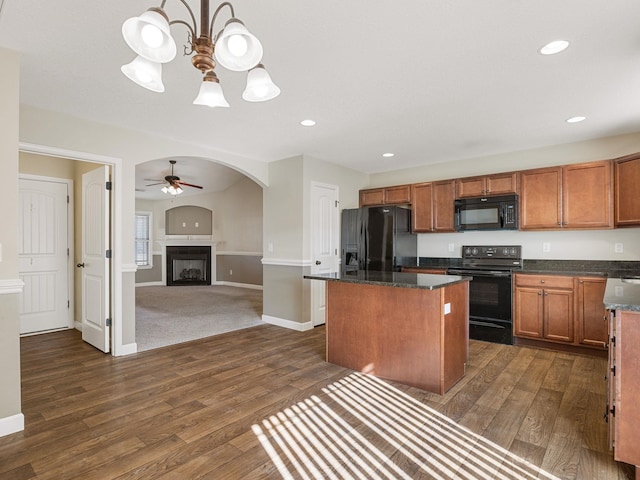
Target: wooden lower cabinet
(624, 387)
(591, 318)
(434, 271)
(560, 309)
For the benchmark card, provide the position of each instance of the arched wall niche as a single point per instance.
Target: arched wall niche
(188, 220)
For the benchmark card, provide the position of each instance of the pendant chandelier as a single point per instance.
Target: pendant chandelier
(233, 47)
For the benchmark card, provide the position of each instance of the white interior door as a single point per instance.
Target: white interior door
(95, 261)
(43, 260)
(325, 243)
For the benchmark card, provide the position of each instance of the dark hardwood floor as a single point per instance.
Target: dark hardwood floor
(262, 403)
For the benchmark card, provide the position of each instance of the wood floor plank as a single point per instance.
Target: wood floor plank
(192, 411)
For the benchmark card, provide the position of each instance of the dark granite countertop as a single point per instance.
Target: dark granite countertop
(393, 279)
(622, 295)
(607, 268)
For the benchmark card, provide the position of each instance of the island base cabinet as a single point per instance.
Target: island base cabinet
(625, 340)
(417, 337)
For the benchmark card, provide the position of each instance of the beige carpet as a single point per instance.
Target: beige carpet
(169, 315)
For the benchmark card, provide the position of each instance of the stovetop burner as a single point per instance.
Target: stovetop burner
(499, 257)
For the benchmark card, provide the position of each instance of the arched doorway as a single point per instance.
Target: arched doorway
(167, 315)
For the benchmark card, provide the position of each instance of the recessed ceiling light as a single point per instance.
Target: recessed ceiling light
(307, 123)
(389, 154)
(554, 47)
(576, 119)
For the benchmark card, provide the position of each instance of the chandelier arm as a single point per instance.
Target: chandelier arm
(215, 15)
(182, 22)
(193, 28)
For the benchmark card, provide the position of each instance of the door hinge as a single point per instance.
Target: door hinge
(109, 185)
(68, 305)
(613, 370)
(108, 322)
(613, 340)
(337, 203)
(67, 251)
(67, 198)
(108, 254)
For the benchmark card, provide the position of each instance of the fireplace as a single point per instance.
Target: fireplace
(188, 265)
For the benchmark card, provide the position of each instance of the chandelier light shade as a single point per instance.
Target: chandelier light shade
(149, 36)
(233, 47)
(145, 73)
(172, 190)
(210, 92)
(237, 49)
(260, 87)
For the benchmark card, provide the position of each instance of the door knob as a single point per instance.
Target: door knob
(80, 265)
(318, 262)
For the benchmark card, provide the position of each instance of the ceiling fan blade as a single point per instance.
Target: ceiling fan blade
(188, 184)
(153, 180)
(152, 184)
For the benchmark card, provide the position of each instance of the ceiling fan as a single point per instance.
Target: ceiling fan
(173, 184)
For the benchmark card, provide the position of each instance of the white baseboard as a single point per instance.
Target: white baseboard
(12, 424)
(150, 284)
(241, 285)
(281, 322)
(77, 326)
(127, 349)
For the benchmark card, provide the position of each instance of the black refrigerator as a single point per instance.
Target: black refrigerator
(377, 238)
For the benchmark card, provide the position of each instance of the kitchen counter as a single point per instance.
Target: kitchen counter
(393, 279)
(407, 327)
(601, 268)
(620, 295)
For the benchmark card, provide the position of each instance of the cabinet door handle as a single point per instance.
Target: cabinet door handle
(539, 293)
(541, 281)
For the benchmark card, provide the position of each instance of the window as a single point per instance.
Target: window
(143, 255)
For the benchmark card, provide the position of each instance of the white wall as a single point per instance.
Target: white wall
(565, 245)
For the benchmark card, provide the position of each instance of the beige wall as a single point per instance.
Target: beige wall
(10, 408)
(287, 227)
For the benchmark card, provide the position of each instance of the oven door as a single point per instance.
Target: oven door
(489, 305)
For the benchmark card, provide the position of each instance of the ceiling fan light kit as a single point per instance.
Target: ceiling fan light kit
(233, 47)
(172, 185)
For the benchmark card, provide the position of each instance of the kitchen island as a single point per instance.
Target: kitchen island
(622, 299)
(408, 327)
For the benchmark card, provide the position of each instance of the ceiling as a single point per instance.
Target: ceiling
(431, 81)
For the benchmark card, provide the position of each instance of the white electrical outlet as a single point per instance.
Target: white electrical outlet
(452, 247)
(270, 247)
(619, 247)
(546, 246)
(230, 272)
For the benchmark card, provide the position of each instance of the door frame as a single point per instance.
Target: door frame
(318, 287)
(117, 268)
(70, 240)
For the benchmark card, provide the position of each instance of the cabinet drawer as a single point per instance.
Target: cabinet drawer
(548, 281)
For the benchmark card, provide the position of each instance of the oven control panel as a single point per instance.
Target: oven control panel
(509, 252)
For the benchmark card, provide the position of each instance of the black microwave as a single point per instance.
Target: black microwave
(487, 213)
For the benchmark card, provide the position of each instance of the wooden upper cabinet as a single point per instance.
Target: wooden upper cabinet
(497, 184)
(421, 209)
(587, 195)
(373, 196)
(433, 206)
(444, 196)
(541, 198)
(397, 195)
(627, 199)
(573, 196)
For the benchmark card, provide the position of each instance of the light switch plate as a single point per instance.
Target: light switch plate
(447, 308)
